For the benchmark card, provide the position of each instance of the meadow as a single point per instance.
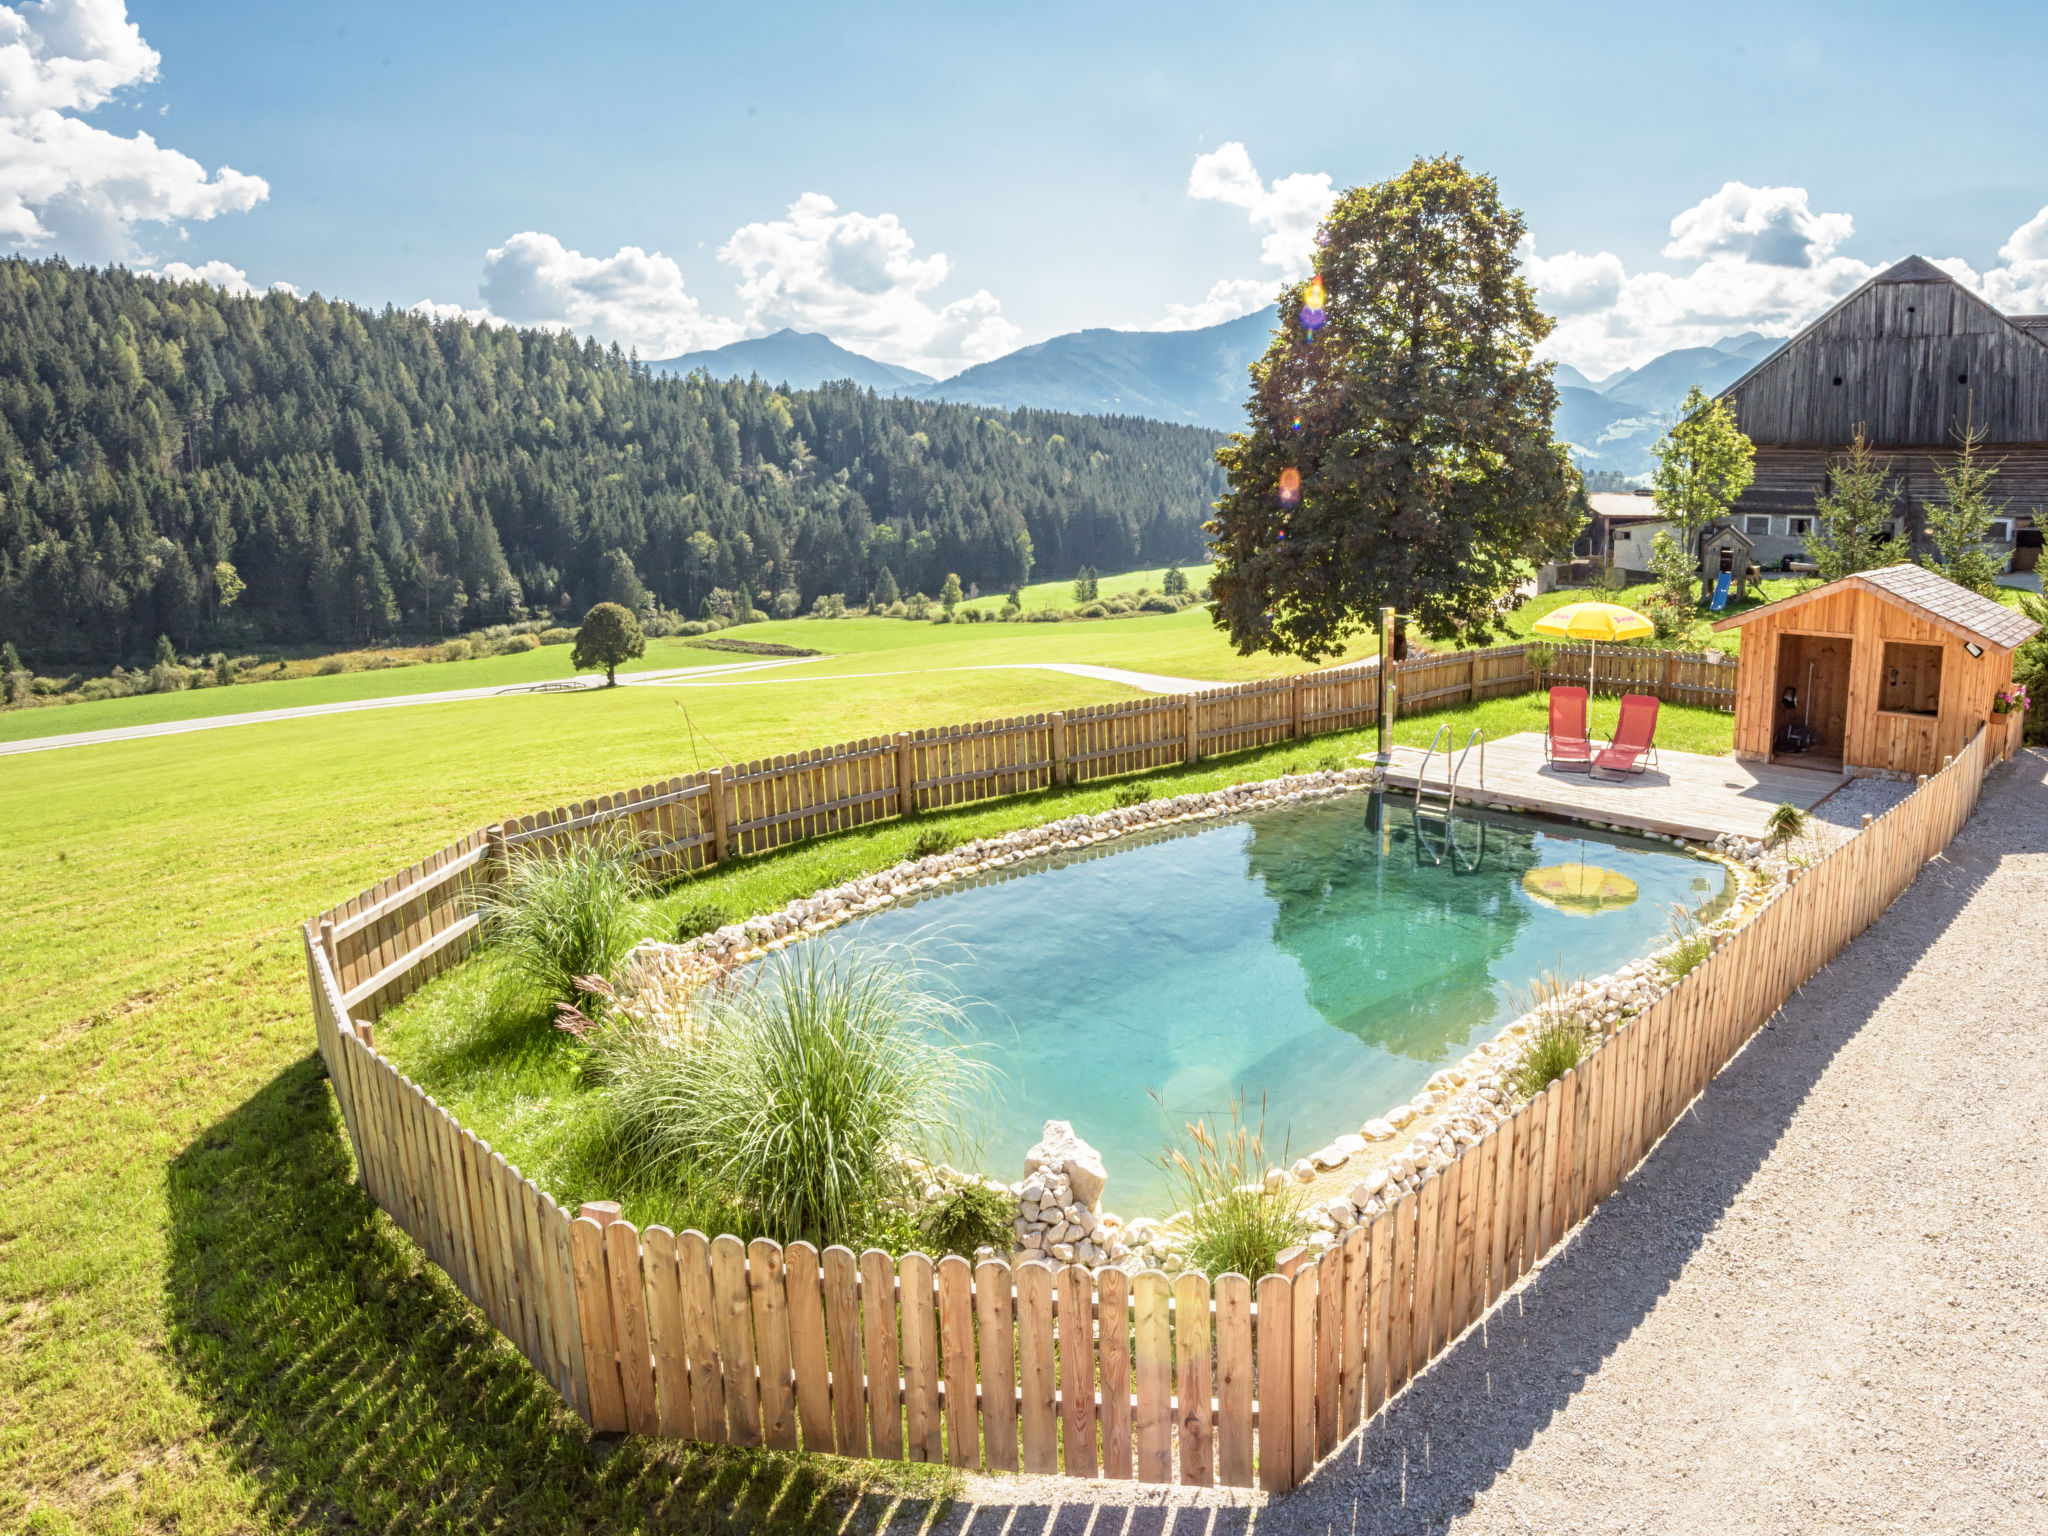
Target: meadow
(203, 1324)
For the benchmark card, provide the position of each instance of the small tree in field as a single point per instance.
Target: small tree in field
(886, 590)
(609, 635)
(1086, 585)
(1400, 453)
(949, 594)
(1958, 526)
(1704, 464)
(1175, 582)
(1856, 508)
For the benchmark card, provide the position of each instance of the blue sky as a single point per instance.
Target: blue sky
(936, 184)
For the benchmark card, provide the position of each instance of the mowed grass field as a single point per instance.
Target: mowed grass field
(204, 1327)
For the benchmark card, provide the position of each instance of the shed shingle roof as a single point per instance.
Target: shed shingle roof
(1958, 608)
(1981, 615)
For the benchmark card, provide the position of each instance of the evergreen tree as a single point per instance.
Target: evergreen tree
(1958, 525)
(1852, 513)
(949, 594)
(1087, 585)
(608, 635)
(1402, 453)
(886, 590)
(1175, 582)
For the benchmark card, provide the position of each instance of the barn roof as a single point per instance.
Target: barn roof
(1963, 613)
(1909, 357)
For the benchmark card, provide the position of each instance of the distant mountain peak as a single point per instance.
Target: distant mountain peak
(800, 359)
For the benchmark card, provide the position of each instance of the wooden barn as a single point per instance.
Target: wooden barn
(1890, 670)
(1909, 357)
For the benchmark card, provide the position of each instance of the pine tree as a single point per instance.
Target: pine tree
(1958, 524)
(1175, 582)
(1852, 513)
(949, 594)
(1086, 585)
(886, 590)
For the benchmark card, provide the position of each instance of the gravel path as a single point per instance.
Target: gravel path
(1819, 1306)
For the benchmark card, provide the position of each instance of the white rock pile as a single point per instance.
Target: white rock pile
(1059, 1203)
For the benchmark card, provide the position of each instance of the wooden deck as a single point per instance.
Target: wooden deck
(1684, 795)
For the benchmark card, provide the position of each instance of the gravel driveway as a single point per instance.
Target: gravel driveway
(1821, 1305)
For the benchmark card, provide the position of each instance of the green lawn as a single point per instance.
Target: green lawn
(1060, 594)
(1521, 623)
(202, 1326)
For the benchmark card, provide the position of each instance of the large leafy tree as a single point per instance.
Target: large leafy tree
(1402, 454)
(609, 635)
(1704, 464)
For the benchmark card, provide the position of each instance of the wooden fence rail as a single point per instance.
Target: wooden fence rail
(1148, 1376)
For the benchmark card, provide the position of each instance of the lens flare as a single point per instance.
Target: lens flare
(1297, 423)
(1290, 488)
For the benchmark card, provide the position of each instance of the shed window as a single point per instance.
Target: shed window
(1756, 527)
(1798, 527)
(2000, 532)
(1912, 679)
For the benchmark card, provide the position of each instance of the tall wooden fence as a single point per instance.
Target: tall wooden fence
(1148, 1376)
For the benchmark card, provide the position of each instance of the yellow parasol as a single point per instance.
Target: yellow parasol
(1594, 622)
(1580, 889)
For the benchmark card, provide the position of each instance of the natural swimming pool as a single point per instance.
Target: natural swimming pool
(1329, 956)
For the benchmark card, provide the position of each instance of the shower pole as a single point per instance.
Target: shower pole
(1385, 756)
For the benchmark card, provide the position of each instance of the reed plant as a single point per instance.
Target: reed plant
(1786, 822)
(1690, 943)
(1235, 1224)
(565, 915)
(803, 1091)
(1563, 1036)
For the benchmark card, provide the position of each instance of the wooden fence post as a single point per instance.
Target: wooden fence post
(497, 857)
(906, 775)
(1193, 753)
(1057, 728)
(719, 850)
(331, 951)
(1294, 707)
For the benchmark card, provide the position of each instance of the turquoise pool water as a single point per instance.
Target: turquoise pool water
(1318, 955)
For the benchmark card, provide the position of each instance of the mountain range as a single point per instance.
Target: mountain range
(1198, 378)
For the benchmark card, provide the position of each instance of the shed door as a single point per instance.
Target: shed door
(1813, 697)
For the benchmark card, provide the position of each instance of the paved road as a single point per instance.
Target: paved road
(722, 676)
(1818, 1306)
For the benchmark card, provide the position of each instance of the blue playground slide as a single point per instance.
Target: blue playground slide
(1721, 592)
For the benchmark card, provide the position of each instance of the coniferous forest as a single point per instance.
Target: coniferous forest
(229, 470)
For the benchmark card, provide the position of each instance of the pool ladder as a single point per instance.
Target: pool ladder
(1445, 812)
(1454, 764)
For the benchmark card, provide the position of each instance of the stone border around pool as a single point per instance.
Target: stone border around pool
(1455, 1108)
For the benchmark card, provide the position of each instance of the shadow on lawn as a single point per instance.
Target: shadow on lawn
(1460, 1425)
(358, 1388)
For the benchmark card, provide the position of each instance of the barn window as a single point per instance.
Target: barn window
(2000, 532)
(1798, 527)
(1912, 679)
(1756, 526)
(1838, 378)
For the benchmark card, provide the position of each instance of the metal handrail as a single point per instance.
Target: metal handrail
(1479, 736)
(1422, 769)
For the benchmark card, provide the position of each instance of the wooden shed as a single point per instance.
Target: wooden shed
(1892, 670)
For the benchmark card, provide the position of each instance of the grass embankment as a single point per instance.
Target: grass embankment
(203, 1326)
(497, 1062)
(1060, 594)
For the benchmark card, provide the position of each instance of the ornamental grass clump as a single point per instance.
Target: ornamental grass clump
(1690, 944)
(1563, 1035)
(1235, 1224)
(566, 915)
(1786, 822)
(801, 1092)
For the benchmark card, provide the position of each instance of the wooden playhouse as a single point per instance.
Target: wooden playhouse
(1891, 670)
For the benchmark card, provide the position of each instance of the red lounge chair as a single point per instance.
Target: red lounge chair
(1566, 743)
(1635, 736)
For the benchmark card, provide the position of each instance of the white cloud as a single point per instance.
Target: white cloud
(632, 297)
(66, 184)
(221, 274)
(1286, 212)
(1226, 300)
(1762, 260)
(857, 278)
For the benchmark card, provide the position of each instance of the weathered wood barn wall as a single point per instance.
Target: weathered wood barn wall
(1910, 357)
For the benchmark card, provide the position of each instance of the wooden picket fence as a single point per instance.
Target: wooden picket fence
(1705, 678)
(1163, 1378)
